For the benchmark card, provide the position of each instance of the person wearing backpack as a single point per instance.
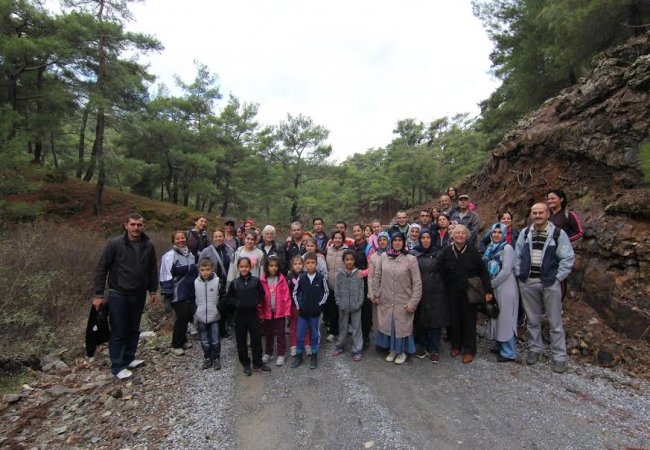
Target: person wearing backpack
(561, 217)
(544, 258)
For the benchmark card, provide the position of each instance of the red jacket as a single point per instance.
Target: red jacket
(282, 299)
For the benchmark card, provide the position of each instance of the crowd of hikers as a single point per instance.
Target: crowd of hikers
(400, 288)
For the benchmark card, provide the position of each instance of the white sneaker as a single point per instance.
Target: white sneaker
(330, 338)
(124, 374)
(401, 358)
(391, 356)
(178, 351)
(192, 329)
(135, 363)
(307, 350)
(266, 358)
(292, 351)
(187, 345)
(279, 361)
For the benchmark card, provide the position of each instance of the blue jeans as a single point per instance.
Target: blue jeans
(124, 314)
(303, 323)
(209, 337)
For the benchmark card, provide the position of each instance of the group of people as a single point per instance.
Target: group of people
(398, 288)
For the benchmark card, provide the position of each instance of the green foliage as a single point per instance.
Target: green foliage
(20, 211)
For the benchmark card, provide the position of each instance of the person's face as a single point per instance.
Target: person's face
(443, 222)
(349, 262)
(205, 271)
(445, 202)
(367, 231)
(382, 242)
(401, 219)
(460, 237)
(426, 240)
(201, 223)
(414, 233)
(497, 235)
(249, 241)
(553, 201)
(357, 233)
(179, 240)
(340, 227)
(240, 233)
(425, 218)
(337, 240)
(463, 203)
(506, 219)
(539, 214)
(310, 247)
(376, 227)
(451, 192)
(310, 265)
(398, 244)
(134, 228)
(297, 265)
(228, 227)
(318, 226)
(244, 268)
(268, 237)
(217, 237)
(296, 231)
(273, 268)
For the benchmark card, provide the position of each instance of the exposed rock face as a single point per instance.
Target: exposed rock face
(586, 141)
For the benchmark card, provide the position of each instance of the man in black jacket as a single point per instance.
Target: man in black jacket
(129, 262)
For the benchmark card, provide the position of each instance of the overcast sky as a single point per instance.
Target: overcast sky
(356, 66)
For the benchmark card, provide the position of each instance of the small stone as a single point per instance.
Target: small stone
(147, 334)
(61, 430)
(369, 444)
(106, 414)
(12, 398)
(593, 321)
(57, 390)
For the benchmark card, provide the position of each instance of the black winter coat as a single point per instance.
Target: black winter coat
(433, 311)
(457, 267)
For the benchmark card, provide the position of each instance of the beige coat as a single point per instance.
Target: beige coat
(334, 260)
(397, 281)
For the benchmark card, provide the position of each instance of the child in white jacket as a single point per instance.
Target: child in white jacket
(206, 288)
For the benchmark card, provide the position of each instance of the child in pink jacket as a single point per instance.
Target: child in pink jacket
(274, 310)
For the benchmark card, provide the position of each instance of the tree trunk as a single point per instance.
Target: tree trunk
(93, 157)
(55, 160)
(211, 205)
(82, 142)
(38, 151)
(101, 176)
(197, 202)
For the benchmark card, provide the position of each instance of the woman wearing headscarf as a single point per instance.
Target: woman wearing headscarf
(432, 313)
(383, 244)
(397, 289)
(413, 237)
(460, 262)
(510, 237)
(499, 259)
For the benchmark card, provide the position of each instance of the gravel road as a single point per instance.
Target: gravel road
(375, 404)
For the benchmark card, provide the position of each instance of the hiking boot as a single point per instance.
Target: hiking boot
(264, 368)
(207, 363)
(279, 361)
(400, 359)
(314, 361)
(560, 366)
(297, 362)
(123, 374)
(532, 358)
(216, 365)
(391, 356)
(434, 358)
(247, 371)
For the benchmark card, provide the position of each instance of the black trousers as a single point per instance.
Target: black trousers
(184, 314)
(247, 322)
(331, 314)
(462, 317)
(366, 315)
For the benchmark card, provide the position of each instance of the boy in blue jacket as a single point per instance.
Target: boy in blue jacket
(309, 296)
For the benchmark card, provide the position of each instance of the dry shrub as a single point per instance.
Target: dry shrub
(46, 273)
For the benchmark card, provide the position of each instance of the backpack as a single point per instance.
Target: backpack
(556, 234)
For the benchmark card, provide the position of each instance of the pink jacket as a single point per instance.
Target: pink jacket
(282, 299)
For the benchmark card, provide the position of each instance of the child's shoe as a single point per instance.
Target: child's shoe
(292, 351)
(330, 337)
(279, 361)
(297, 362)
(307, 350)
(216, 364)
(247, 371)
(264, 368)
(356, 357)
(314, 361)
(207, 363)
(266, 358)
(337, 351)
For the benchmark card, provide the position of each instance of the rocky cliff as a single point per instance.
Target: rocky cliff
(587, 141)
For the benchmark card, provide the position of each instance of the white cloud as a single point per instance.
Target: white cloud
(355, 67)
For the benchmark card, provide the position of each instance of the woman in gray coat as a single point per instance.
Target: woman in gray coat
(499, 259)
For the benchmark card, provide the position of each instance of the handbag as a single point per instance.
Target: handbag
(492, 309)
(475, 292)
